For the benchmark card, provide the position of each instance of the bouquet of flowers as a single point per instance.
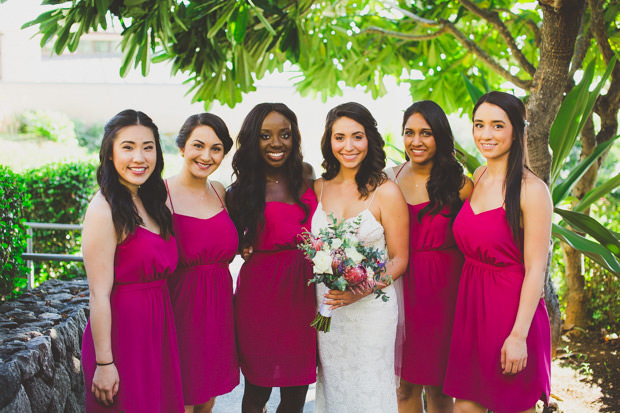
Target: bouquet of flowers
(341, 261)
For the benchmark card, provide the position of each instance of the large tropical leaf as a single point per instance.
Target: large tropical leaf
(471, 162)
(592, 227)
(592, 249)
(572, 116)
(596, 193)
(560, 191)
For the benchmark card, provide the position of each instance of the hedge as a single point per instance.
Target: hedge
(13, 198)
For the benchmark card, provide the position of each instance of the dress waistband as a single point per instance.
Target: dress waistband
(139, 286)
(435, 249)
(211, 266)
(510, 267)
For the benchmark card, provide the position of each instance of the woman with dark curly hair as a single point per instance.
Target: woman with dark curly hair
(356, 357)
(129, 350)
(201, 290)
(500, 354)
(271, 203)
(434, 187)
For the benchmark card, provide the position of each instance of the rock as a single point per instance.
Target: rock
(60, 390)
(21, 316)
(12, 347)
(73, 405)
(59, 349)
(28, 364)
(10, 379)
(38, 393)
(59, 297)
(20, 404)
(42, 347)
(50, 317)
(8, 306)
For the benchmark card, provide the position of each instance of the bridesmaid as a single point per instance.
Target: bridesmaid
(129, 349)
(201, 290)
(500, 353)
(271, 203)
(434, 187)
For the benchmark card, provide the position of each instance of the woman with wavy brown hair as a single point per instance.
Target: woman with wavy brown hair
(356, 357)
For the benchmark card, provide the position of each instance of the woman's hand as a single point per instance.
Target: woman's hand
(514, 355)
(105, 384)
(246, 252)
(337, 298)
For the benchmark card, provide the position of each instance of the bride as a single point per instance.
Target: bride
(356, 357)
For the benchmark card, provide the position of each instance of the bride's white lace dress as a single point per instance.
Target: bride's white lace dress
(356, 357)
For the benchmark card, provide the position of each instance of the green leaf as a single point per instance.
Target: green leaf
(592, 249)
(564, 130)
(241, 24)
(596, 193)
(474, 92)
(591, 227)
(262, 18)
(560, 191)
(471, 162)
(43, 17)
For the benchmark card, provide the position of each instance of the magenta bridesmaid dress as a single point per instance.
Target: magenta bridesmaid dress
(430, 287)
(274, 305)
(486, 309)
(202, 298)
(144, 344)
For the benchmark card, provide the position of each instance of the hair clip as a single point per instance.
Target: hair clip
(526, 123)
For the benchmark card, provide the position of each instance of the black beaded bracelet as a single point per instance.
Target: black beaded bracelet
(105, 364)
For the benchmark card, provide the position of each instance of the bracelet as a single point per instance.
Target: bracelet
(105, 364)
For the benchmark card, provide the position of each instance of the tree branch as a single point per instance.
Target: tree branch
(404, 36)
(420, 20)
(485, 57)
(531, 24)
(493, 18)
(581, 48)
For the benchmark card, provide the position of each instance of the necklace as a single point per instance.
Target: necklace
(275, 181)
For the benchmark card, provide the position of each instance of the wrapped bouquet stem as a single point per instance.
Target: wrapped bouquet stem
(341, 262)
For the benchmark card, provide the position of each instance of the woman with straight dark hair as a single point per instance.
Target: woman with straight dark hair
(129, 349)
(357, 355)
(271, 203)
(434, 187)
(500, 355)
(201, 289)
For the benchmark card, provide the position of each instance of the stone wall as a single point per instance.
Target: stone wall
(40, 346)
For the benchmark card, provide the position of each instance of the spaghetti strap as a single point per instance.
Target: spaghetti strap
(322, 185)
(169, 196)
(476, 183)
(218, 195)
(372, 198)
(399, 170)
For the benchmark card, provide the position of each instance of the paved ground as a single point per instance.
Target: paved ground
(231, 402)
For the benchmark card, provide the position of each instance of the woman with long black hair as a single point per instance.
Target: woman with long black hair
(129, 350)
(434, 187)
(271, 203)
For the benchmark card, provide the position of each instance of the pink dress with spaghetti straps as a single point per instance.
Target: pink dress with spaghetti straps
(430, 287)
(143, 336)
(274, 305)
(202, 298)
(486, 309)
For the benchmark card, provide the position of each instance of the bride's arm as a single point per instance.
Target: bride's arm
(395, 220)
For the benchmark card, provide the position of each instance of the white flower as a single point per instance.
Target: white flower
(354, 255)
(322, 263)
(370, 273)
(335, 243)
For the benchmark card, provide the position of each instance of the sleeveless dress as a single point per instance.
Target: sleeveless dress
(143, 335)
(356, 357)
(274, 305)
(202, 299)
(486, 309)
(430, 288)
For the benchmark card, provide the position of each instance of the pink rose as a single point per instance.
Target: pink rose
(317, 244)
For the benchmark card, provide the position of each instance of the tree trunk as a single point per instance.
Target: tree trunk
(576, 300)
(559, 32)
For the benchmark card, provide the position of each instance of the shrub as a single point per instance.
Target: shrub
(59, 193)
(89, 135)
(55, 126)
(13, 198)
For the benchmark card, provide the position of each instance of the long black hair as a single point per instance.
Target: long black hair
(152, 193)
(370, 174)
(247, 193)
(446, 178)
(205, 119)
(515, 110)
